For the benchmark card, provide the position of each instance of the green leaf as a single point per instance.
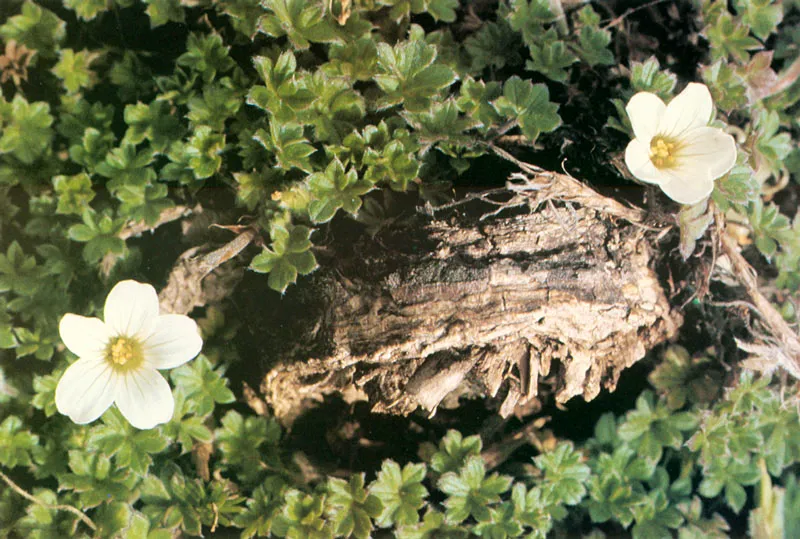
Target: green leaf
(240, 441)
(728, 88)
(353, 60)
(494, 45)
(154, 122)
(410, 76)
(769, 226)
(730, 39)
(35, 343)
(551, 57)
(96, 481)
(335, 189)
(287, 142)
(681, 378)
(647, 76)
(19, 272)
(215, 107)
(243, 15)
(454, 450)
(288, 256)
(45, 388)
(530, 105)
(131, 448)
(204, 152)
(732, 477)
(772, 147)
(28, 133)
(186, 427)
(177, 502)
(698, 527)
(74, 193)
(203, 385)
(100, 235)
(74, 70)
(435, 526)
(139, 527)
(470, 492)
(652, 426)
(762, 16)
(16, 443)
(302, 22)
(132, 77)
(282, 95)
(531, 509)
(87, 9)
(442, 125)
(350, 508)
(502, 522)
(592, 46)
(206, 55)
(337, 110)
(442, 10)
(36, 28)
(302, 516)
(565, 474)
(739, 187)
(262, 509)
(401, 493)
(163, 11)
(112, 519)
(127, 169)
(530, 18)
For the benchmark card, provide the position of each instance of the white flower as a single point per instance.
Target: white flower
(674, 148)
(118, 358)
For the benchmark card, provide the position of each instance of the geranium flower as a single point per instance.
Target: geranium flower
(119, 358)
(674, 148)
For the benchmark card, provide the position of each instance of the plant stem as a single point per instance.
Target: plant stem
(59, 507)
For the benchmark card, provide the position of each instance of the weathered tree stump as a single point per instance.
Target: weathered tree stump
(552, 290)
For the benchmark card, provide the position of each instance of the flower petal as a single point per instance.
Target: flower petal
(637, 158)
(645, 111)
(145, 399)
(708, 148)
(86, 389)
(131, 309)
(175, 341)
(690, 109)
(688, 185)
(83, 336)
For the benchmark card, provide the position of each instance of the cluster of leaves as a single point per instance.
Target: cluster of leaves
(297, 111)
(297, 135)
(661, 469)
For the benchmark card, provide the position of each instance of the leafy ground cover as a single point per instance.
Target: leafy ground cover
(280, 116)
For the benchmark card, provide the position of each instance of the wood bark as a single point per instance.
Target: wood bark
(546, 288)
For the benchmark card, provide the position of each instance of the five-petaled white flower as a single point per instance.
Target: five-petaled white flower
(674, 148)
(118, 358)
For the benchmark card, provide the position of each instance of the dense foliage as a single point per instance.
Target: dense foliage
(114, 112)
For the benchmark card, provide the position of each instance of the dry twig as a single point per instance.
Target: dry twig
(787, 351)
(57, 507)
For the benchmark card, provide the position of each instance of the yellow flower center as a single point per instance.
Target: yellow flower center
(124, 353)
(662, 152)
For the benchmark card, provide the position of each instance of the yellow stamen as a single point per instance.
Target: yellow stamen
(124, 353)
(662, 152)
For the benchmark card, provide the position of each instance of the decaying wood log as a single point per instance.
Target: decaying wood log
(546, 287)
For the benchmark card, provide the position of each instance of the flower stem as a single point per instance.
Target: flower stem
(59, 507)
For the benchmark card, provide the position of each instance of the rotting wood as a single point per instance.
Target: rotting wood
(552, 292)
